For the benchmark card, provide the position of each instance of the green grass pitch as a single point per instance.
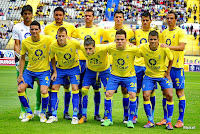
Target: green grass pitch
(10, 109)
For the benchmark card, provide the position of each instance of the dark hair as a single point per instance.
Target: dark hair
(35, 23)
(62, 29)
(59, 9)
(27, 8)
(90, 10)
(89, 41)
(121, 32)
(172, 12)
(119, 11)
(146, 14)
(153, 33)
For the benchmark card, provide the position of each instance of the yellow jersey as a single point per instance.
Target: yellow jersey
(155, 60)
(67, 57)
(123, 60)
(38, 53)
(140, 38)
(52, 29)
(173, 38)
(83, 32)
(98, 61)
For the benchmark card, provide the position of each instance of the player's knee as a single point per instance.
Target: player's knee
(132, 95)
(180, 92)
(169, 96)
(75, 88)
(44, 92)
(146, 96)
(21, 89)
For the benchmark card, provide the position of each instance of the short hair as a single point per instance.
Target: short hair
(154, 33)
(121, 32)
(26, 8)
(59, 9)
(89, 41)
(90, 10)
(146, 14)
(35, 23)
(172, 12)
(62, 29)
(120, 12)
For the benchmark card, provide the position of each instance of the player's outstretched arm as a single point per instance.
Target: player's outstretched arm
(21, 64)
(54, 75)
(167, 73)
(180, 47)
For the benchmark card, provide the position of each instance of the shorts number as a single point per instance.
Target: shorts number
(132, 84)
(177, 81)
(47, 78)
(77, 77)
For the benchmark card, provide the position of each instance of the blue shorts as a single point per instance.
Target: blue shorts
(29, 76)
(63, 74)
(66, 81)
(140, 71)
(129, 82)
(178, 78)
(149, 82)
(83, 68)
(90, 78)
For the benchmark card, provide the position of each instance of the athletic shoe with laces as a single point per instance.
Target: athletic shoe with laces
(107, 122)
(37, 112)
(74, 120)
(43, 117)
(52, 119)
(98, 118)
(149, 124)
(28, 117)
(134, 119)
(162, 122)
(22, 115)
(82, 120)
(179, 124)
(130, 124)
(67, 116)
(169, 126)
(125, 120)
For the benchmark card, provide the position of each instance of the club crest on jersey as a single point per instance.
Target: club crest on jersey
(31, 48)
(59, 52)
(26, 35)
(114, 54)
(147, 55)
(98, 56)
(95, 33)
(127, 56)
(112, 35)
(159, 57)
(82, 32)
(71, 49)
(52, 31)
(44, 46)
(174, 36)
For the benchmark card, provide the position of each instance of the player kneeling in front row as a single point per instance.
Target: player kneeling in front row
(37, 46)
(98, 68)
(156, 71)
(123, 73)
(67, 66)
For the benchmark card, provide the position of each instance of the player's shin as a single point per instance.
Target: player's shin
(49, 102)
(125, 104)
(170, 108)
(108, 107)
(54, 102)
(132, 107)
(75, 102)
(164, 102)
(137, 101)
(97, 100)
(25, 102)
(85, 101)
(153, 102)
(182, 104)
(45, 99)
(147, 108)
(67, 100)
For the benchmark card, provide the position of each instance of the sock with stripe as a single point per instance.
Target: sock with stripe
(137, 101)
(49, 102)
(85, 101)
(54, 102)
(164, 102)
(108, 107)
(153, 102)
(125, 101)
(97, 100)
(75, 102)
(132, 107)
(25, 102)
(170, 108)
(80, 103)
(45, 100)
(182, 104)
(147, 108)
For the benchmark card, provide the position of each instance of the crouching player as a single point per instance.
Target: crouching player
(67, 66)
(98, 68)
(123, 73)
(156, 71)
(37, 46)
